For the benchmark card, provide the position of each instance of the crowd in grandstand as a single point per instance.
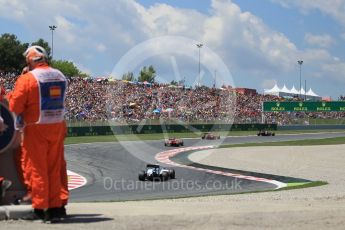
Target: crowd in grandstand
(128, 102)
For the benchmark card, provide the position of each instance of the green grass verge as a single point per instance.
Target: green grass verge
(324, 141)
(309, 131)
(291, 186)
(133, 137)
(160, 136)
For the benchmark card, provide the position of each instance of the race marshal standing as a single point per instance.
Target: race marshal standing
(39, 97)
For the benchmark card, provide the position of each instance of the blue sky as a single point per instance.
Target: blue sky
(258, 42)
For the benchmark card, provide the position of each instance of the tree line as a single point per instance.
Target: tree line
(146, 74)
(13, 61)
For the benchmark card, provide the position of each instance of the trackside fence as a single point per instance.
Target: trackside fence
(169, 128)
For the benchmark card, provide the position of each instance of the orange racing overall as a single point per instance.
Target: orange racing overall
(39, 97)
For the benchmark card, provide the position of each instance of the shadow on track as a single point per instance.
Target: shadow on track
(84, 218)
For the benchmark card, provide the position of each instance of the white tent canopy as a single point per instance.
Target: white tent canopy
(302, 91)
(285, 92)
(311, 93)
(294, 90)
(275, 89)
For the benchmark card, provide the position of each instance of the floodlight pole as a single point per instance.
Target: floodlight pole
(305, 90)
(199, 47)
(52, 28)
(215, 79)
(300, 62)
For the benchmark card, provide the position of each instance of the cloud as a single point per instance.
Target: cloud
(323, 40)
(236, 35)
(268, 83)
(162, 19)
(13, 9)
(100, 47)
(245, 40)
(336, 69)
(334, 8)
(97, 35)
(343, 36)
(82, 68)
(68, 28)
(315, 56)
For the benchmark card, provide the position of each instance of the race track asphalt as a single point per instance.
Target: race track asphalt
(111, 170)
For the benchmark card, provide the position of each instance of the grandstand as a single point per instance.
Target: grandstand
(94, 101)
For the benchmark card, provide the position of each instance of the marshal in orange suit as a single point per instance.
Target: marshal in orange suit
(39, 97)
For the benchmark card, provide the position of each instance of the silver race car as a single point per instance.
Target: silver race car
(156, 172)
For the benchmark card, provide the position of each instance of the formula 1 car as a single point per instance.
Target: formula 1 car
(210, 136)
(265, 133)
(173, 142)
(156, 172)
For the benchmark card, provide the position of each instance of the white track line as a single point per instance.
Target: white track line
(75, 180)
(164, 157)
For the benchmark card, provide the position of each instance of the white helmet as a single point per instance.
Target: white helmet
(35, 54)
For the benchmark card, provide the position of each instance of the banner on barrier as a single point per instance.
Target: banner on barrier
(171, 128)
(304, 106)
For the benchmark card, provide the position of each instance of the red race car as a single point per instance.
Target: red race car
(210, 136)
(173, 142)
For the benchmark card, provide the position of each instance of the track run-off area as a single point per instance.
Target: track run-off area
(109, 171)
